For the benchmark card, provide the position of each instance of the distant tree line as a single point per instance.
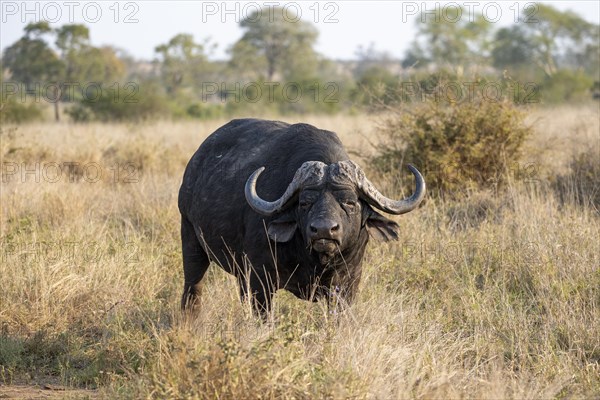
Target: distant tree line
(274, 68)
(558, 51)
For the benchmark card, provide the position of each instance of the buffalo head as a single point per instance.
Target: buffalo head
(330, 204)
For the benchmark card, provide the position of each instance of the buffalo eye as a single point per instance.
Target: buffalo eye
(307, 199)
(304, 204)
(349, 205)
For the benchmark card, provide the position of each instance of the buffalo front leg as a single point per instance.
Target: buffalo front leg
(195, 264)
(258, 294)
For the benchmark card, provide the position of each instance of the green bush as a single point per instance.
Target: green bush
(566, 85)
(13, 111)
(375, 84)
(133, 103)
(79, 113)
(205, 111)
(459, 146)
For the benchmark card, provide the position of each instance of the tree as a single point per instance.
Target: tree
(84, 63)
(73, 42)
(450, 39)
(554, 33)
(586, 57)
(32, 62)
(277, 45)
(37, 29)
(376, 83)
(244, 61)
(30, 59)
(512, 47)
(104, 64)
(414, 56)
(183, 61)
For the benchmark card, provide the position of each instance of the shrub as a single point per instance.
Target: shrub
(457, 145)
(204, 111)
(13, 111)
(566, 85)
(14, 108)
(375, 83)
(79, 113)
(129, 105)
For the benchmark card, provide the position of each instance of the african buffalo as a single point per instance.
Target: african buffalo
(281, 206)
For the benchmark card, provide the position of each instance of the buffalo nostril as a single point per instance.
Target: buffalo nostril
(335, 228)
(313, 229)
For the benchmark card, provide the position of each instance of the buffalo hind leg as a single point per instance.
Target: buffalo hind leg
(195, 264)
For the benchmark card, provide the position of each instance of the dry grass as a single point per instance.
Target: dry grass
(490, 297)
(563, 132)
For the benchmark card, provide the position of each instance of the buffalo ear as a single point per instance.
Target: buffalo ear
(282, 229)
(381, 228)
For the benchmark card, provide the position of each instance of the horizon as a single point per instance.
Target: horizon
(129, 26)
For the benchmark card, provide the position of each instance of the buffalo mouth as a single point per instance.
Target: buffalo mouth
(325, 246)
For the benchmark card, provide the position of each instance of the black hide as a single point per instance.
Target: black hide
(218, 224)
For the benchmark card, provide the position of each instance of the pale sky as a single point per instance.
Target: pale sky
(139, 26)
